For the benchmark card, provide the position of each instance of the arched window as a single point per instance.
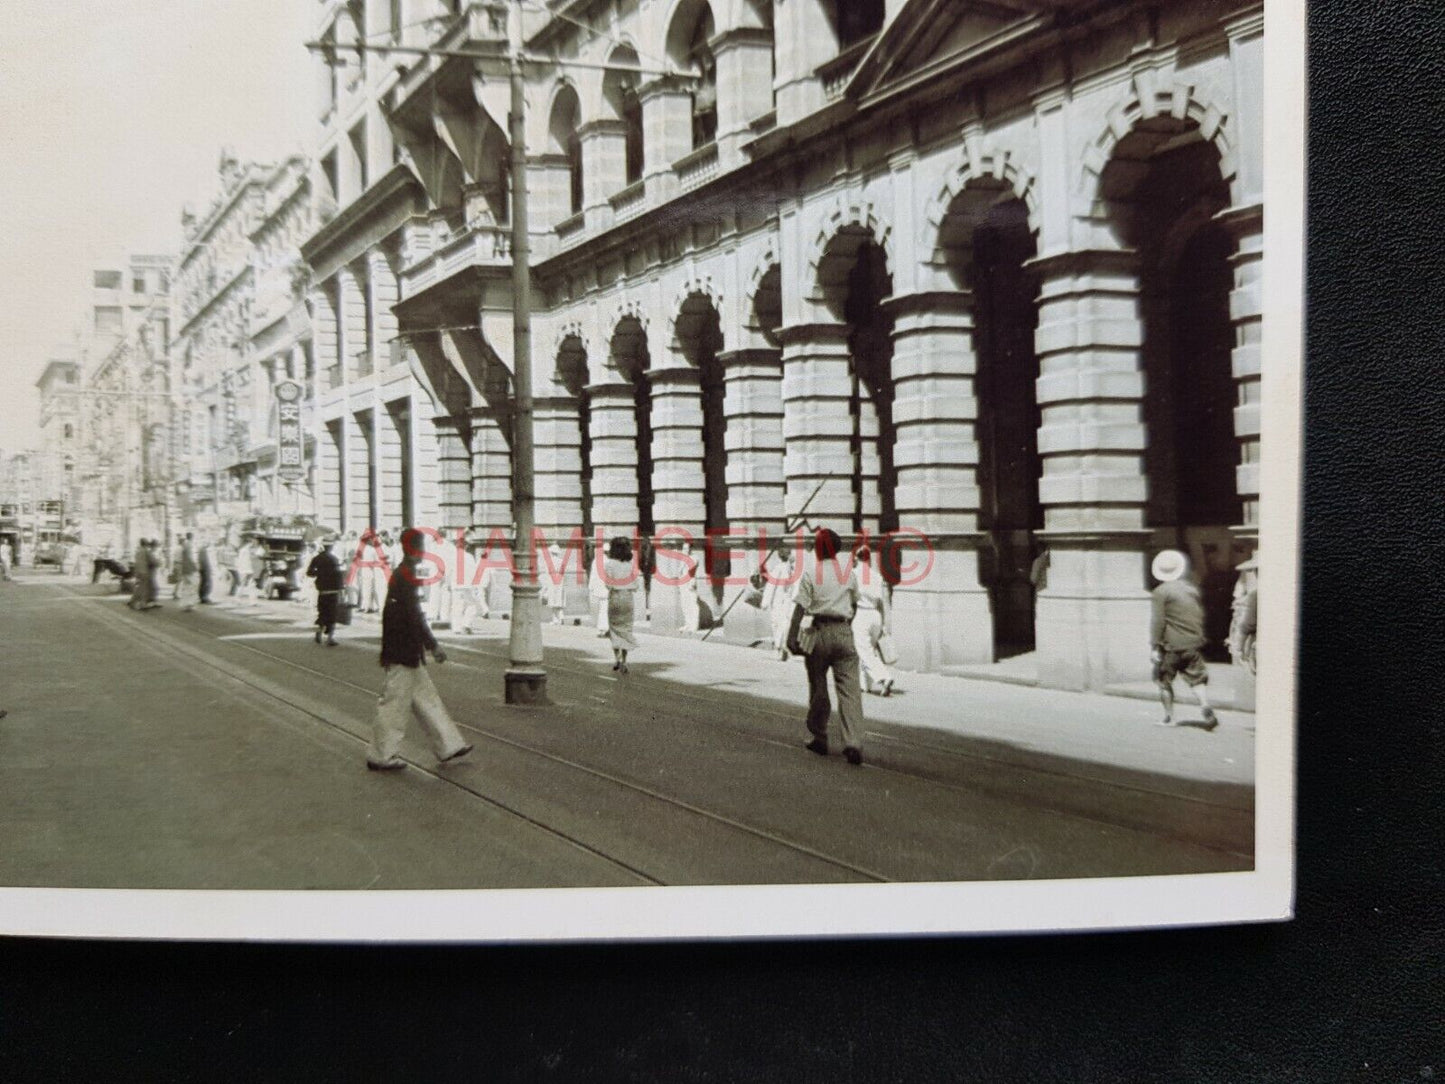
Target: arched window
(619, 89)
(854, 20)
(562, 132)
(704, 65)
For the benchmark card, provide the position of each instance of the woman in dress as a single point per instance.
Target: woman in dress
(555, 589)
(778, 601)
(619, 574)
(873, 619)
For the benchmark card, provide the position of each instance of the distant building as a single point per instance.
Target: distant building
(125, 461)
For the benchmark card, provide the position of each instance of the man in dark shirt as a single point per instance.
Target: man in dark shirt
(325, 569)
(1177, 634)
(405, 640)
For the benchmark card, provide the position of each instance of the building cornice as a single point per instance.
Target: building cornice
(332, 245)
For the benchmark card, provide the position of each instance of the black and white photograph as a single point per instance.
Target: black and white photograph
(592, 469)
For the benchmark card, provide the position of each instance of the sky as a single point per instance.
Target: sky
(113, 114)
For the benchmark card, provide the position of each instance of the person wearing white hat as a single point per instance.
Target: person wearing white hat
(1177, 635)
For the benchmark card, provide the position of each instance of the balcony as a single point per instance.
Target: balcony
(335, 376)
(697, 168)
(441, 253)
(836, 73)
(630, 202)
(569, 228)
(479, 28)
(365, 364)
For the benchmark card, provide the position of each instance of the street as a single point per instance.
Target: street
(222, 748)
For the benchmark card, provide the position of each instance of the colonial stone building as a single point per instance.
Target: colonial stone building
(979, 276)
(242, 326)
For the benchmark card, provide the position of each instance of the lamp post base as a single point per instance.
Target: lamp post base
(526, 687)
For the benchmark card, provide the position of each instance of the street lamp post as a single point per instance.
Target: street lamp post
(525, 679)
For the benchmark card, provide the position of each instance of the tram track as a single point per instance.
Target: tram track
(265, 688)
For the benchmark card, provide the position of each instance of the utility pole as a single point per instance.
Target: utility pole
(525, 678)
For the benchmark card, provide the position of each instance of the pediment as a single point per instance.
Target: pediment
(928, 36)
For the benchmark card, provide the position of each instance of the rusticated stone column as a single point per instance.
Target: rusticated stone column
(753, 408)
(818, 424)
(677, 483)
(1246, 308)
(454, 473)
(613, 423)
(942, 616)
(1092, 623)
(491, 471)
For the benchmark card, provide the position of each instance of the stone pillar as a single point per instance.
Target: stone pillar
(804, 40)
(360, 439)
(391, 465)
(327, 345)
(454, 473)
(818, 424)
(677, 480)
(613, 424)
(666, 133)
(753, 408)
(1092, 620)
(385, 293)
(558, 467)
(1246, 310)
(944, 618)
(332, 447)
(744, 87)
(753, 405)
(352, 320)
(491, 472)
(604, 168)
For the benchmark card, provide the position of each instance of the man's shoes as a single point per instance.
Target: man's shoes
(1210, 719)
(888, 687)
(852, 756)
(386, 765)
(318, 636)
(331, 643)
(1166, 721)
(450, 757)
(817, 745)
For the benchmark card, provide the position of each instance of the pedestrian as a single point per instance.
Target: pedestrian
(188, 571)
(205, 572)
(325, 569)
(778, 601)
(555, 589)
(830, 597)
(408, 689)
(7, 558)
(153, 587)
(1244, 621)
(872, 622)
(597, 596)
(257, 568)
(1176, 635)
(469, 596)
(621, 580)
(690, 600)
(140, 570)
(305, 589)
(374, 575)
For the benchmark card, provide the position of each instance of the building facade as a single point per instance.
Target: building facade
(126, 464)
(242, 327)
(978, 278)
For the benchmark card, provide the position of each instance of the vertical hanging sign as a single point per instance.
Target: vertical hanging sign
(290, 446)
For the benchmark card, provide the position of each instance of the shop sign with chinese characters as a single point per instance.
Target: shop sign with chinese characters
(290, 445)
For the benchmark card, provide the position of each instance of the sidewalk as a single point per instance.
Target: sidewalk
(1017, 723)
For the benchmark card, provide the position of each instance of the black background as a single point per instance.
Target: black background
(1351, 990)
